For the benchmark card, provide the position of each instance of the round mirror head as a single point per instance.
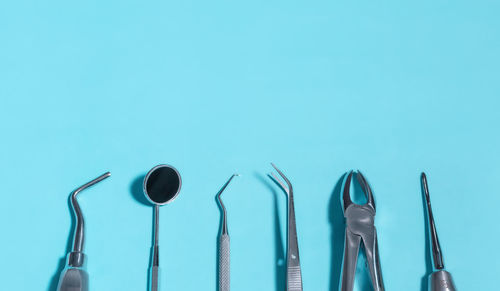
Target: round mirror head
(162, 184)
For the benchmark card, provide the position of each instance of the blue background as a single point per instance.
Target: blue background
(216, 87)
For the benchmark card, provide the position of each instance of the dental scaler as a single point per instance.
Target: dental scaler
(74, 277)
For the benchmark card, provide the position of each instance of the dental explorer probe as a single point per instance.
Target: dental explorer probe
(224, 244)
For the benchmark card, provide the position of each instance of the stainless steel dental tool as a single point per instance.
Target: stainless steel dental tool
(359, 229)
(293, 272)
(439, 280)
(74, 277)
(161, 186)
(224, 243)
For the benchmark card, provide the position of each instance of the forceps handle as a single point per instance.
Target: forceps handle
(294, 273)
(294, 279)
(224, 253)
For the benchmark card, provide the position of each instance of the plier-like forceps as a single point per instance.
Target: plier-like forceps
(360, 226)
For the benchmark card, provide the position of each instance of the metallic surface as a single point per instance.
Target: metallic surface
(294, 274)
(154, 269)
(360, 227)
(439, 280)
(224, 244)
(74, 276)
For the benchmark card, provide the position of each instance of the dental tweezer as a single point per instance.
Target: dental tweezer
(293, 271)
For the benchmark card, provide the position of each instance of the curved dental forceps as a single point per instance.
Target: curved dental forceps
(360, 228)
(293, 273)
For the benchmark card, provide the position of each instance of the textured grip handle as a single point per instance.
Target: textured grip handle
(224, 253)
(294, 279)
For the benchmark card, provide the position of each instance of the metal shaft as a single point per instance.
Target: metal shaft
(437, 255)
(439, 279)
(78, 236)
(154, 276)
(293, 270)
(74, 277)
(224, 244)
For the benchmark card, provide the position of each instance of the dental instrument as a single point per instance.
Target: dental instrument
(293, 271)
(161, 186)
(359, 229)
(74, 276)
(224, 244)
(439, 279)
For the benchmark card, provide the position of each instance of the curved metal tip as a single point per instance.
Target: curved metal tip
(224, 214)
(366, 188)
(288, 187)
(225, 185)
(78, 236)
(425, 186)
(346, 196)
(91, 183)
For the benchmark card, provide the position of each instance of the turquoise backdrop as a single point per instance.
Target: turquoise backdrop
(392, 88)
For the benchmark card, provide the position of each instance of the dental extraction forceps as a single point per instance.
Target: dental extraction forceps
(360, 228)
(293, 272)
(74, 277)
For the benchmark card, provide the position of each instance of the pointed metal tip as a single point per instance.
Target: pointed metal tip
(224, 186)
(100, 178)
(425, 186)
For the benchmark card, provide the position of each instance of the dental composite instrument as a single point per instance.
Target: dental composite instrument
(74, 277)
(161, 186)
(224, 244)
(359, 219)
(293, 271)
(439, 280)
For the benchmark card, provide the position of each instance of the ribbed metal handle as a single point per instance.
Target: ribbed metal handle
(224, 253)
(294, 279)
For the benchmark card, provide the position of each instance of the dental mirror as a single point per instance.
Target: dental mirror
(161, 186)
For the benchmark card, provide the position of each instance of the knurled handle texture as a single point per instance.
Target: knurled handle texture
(224, 263)
(294, 279)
